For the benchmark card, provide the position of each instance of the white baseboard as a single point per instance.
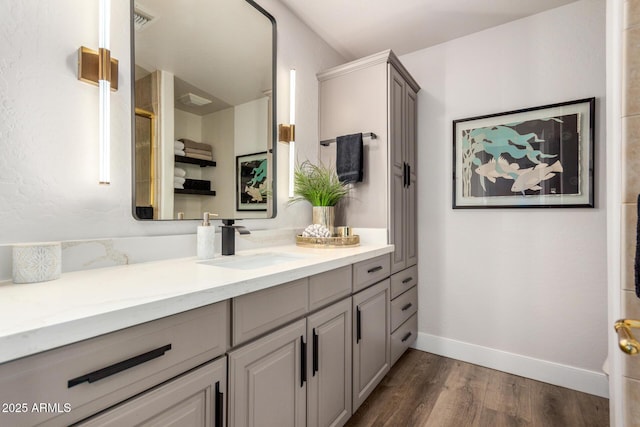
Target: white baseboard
(583, 380)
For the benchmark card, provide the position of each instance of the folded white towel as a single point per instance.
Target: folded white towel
(178, 145)
(178, 186)
(179, 172)
(178, 180)
(178, 152)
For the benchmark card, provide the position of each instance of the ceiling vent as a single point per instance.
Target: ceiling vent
(193, 100)
(141, 18)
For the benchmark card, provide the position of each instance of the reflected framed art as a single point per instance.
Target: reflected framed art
(251, 182)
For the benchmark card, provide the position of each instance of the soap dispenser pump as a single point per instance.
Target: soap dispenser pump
(206, 236)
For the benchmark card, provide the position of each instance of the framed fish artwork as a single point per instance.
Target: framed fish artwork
(251, 182)
(539, 157)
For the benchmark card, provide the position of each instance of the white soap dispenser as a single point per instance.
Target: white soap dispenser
(206, 236)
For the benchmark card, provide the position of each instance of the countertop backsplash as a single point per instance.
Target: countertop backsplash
(97, 253)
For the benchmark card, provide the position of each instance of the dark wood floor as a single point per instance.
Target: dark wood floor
(423, 389)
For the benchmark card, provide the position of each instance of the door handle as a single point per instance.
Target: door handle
(404, 174)
(316, 345)
(626, 341)
(303, 362)
(219, 405)
(358, 326)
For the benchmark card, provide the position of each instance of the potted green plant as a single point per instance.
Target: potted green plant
(320, 186)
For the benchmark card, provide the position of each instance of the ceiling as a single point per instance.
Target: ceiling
(220, 50)
(357, 28)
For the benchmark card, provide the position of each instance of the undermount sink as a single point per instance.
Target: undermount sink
(251, 262)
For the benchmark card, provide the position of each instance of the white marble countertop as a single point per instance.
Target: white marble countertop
(84, 304)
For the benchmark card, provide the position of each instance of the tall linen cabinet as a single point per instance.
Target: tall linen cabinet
(376, 94)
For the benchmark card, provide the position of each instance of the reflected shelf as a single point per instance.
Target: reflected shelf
(196, 192)
(200, 162)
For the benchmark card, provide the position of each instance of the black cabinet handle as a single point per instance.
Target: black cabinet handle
(358, 326)
(374, 269)
(315, 352)
(303, 362)
(404, 174)
(219, 417)
(119, 367)
(408, 175)
(406, 337)
(406, 307)
(407, 280)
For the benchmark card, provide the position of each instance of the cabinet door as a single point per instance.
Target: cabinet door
(398, 168)
(196, 399)
(370, 340)
(410, 193)
(329, 353)
(267, 380)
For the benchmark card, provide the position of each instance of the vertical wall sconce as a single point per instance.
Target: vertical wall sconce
(287, 133)
(100, 69)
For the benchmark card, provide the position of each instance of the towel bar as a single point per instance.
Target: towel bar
(326, 142)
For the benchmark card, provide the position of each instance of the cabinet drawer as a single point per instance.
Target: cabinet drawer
(403, 281)
(325, 288)
(95, 374)
(259, 312)
(403, 337)
(368, 272)
(194, 399)
(403, 307)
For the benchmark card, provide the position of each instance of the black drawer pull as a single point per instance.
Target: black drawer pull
(406, 337)
(407, 307)
(219, 405)
(407, 280)
(374, 269)
(119, 367)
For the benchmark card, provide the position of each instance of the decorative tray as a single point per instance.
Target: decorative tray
(328, 242)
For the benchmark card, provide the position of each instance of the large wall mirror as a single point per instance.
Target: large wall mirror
(204, 98)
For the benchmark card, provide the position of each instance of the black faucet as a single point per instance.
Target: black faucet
(229, 236)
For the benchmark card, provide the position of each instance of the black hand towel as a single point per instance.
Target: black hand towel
(349, 158)
(637, 263)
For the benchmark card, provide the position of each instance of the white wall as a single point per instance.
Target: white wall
(499, 284)
(49, 123)
(250, 132)
(218, 130)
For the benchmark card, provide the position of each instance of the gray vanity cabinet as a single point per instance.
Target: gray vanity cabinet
(371, 339)
(196, 399)
(96, 374)
(296, 358)
(329, 369)
(299, 374)
(267, 384)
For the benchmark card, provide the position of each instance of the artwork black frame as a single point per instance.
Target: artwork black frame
(540, 157)
(246, 165)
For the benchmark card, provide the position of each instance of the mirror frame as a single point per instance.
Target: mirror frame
(271, 148)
